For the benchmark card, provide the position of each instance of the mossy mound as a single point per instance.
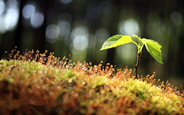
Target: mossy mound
(34, 84)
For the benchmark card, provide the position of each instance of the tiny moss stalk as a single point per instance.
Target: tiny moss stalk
(34, 83)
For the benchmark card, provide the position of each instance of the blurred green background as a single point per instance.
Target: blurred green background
(79, 28)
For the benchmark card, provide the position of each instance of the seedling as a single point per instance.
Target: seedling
(153, 47)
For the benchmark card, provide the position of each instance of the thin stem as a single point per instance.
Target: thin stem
(137, 64)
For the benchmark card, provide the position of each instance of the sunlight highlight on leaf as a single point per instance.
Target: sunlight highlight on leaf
(117, 40)
(154, 48)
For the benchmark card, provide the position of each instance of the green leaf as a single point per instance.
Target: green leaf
(154, 48)
(137, 38)
(117, 40)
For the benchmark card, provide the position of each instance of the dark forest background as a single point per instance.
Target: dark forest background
(79, 28)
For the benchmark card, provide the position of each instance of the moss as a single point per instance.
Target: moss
(50, 86)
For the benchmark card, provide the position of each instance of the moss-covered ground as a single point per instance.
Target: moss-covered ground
(35, 84)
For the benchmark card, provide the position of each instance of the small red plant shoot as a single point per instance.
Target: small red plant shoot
(153, 47)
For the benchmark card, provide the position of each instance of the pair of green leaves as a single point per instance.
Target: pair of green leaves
(153, 47)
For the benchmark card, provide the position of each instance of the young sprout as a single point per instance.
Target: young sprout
(153, 47)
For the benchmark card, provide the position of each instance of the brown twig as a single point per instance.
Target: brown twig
(137, 64)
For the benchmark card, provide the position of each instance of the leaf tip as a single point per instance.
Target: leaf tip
(161, 62)
(135, 36)
(102, 48)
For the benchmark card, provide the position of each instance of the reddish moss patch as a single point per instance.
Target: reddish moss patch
(33, 83)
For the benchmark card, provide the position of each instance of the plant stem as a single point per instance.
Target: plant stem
(137, 64)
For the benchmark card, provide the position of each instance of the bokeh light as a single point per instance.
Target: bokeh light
(176, 18)
(6, 21)
(65, 1)
(2, 7)
(65, 28)
(80, 38)
(127, 53)
(80, 42)
(33, 15)
(37, 19)
(129, 27)
(52, 32)
(28, 11)
(9, 21)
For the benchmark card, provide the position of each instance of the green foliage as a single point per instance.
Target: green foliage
(116, 40)
(153, 47)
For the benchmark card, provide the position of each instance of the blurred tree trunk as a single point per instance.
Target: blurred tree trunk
(180, 62)
(39, 33)
(113, 30)
(19, 28)
(11, 39)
